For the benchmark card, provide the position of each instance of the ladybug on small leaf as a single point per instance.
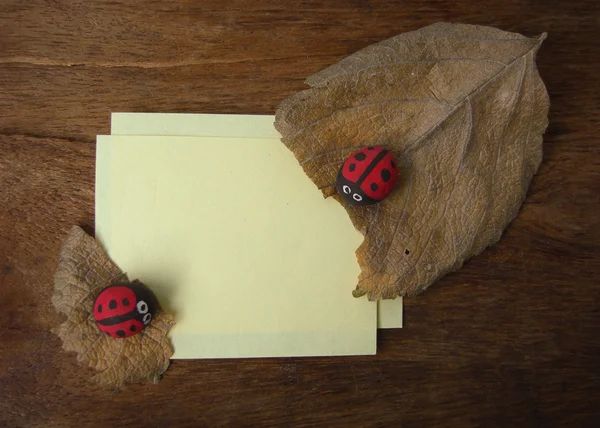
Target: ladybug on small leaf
(124, 309)
(367, 176)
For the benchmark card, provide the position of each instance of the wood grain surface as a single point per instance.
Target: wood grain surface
(512, 339)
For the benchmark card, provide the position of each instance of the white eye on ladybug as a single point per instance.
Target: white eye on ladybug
(346, 190)
(142, 307)
(147, 318)
(357, 197)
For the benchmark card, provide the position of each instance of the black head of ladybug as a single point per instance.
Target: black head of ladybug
(367, 176)
(123, 309)
(352, 193)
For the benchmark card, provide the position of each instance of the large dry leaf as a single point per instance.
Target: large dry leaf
(84, 269)
(462, 108)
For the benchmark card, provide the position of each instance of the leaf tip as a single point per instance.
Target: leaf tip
(358, 292)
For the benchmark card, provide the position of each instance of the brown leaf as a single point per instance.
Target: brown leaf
(83, 270)
(462, 108)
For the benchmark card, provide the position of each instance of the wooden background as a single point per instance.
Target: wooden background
(512, 339)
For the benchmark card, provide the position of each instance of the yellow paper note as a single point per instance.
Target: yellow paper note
(225, 125)
(237, 242)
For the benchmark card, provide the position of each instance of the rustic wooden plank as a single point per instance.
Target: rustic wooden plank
(510, 339)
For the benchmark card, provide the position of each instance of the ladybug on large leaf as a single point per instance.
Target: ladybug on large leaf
(124, 309)
(367, 176)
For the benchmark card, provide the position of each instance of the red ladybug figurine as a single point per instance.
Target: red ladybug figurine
(124, 309)
(367, 176)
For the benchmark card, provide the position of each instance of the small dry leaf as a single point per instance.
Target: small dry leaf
(83, 270)
(462, 108)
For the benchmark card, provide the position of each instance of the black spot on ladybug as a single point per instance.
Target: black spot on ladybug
(386, 175)
(121, 333)
(393, 164)
(352, 167)
(112, 304)
(125, 302)
(374, 186)
(99, 308)
(370, 147)
(360, 156)
(132, 328)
